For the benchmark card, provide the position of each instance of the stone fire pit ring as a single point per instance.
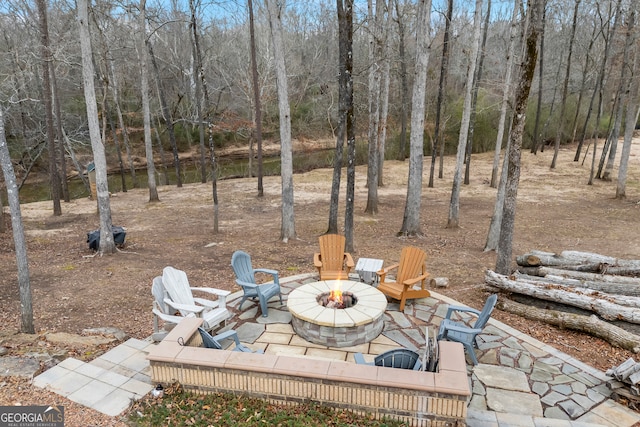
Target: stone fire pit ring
(332, 327)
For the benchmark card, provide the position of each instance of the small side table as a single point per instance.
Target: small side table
(367, 268)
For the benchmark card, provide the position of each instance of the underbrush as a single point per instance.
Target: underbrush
(180, 408)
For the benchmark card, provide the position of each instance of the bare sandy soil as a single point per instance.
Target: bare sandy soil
(72, 291)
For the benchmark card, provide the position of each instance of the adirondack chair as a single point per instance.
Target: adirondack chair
(162, 311)
(402, 358)
(411, 270)
(213, 341)
(332, 262)
(180, 297)
(246, 278)
(463, 333)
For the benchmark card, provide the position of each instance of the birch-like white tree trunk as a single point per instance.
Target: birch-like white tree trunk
(19, 241)
(288, 230)
(107, 244)
(411, 220)
(454, 205)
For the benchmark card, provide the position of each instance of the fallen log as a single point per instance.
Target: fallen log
(589, 324)
(580, 261)
(543, 271)
(606, 309)
(603, 291)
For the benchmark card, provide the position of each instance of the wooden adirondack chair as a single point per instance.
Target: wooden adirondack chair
(332, 262)
(411, 270)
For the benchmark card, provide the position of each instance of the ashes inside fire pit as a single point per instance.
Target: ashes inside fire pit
(337, 299)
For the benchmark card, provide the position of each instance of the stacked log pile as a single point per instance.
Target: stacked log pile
(609, 287)
(625, 380)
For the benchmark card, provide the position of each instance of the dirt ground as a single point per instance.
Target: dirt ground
(73, 291)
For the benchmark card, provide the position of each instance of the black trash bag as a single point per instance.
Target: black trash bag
(93, 237)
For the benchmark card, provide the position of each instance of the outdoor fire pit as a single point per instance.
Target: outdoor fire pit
(337, 313)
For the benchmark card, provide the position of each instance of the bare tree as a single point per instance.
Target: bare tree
(506, 93)
(376, 48)
(454, 205)
(144, 88)
(525, 76)
(288, 231)
(411, 220)
(107, 244)
(54, 180)
(26, 307)
(404, 94)
(565, 85)
(438, 133)
(257, 105)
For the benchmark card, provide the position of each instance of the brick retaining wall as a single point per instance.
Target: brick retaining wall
(419, 398)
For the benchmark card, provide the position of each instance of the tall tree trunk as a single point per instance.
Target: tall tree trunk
(288, 231)
(411, 219)
(123, 128)
(474, 96)
(345, 24)
(59, 134)
(107, 244)
(256, 96)
(506, 94)
(404, 96)
(166, 115)
(537, 134)
(114, 133)
(195, 43)
(527, 69)
(565, 85)
(438, 134)
(54, 180)
(375, 59)
(384, 101)
(608, 31)
(19, 241)
(146, 114)
(632, 105)
(454, 205)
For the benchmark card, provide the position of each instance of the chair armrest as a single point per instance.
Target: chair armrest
(213, 291)
(462, 329)
(228, 334)
(168, 317)
(383, 272)
(349, 259)
(461, 309)
(195, 309)
(359, 358)
(316, 260)
(413, 281)
(207, 302)
(273, 273)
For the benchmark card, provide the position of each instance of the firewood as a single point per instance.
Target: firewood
(556, 293)
(613, 284)
(589, 324)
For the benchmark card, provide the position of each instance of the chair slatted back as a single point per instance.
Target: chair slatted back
(398, 358)
(177, 285)
(332, 251)
(485, 314)
(159, 294)
(208, 341)
(412, 263)
(241, 264)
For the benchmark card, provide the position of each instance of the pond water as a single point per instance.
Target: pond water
(227, 168)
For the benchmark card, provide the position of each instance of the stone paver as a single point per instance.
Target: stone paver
(519, 381)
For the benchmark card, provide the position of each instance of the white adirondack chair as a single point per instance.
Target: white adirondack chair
(180, 297)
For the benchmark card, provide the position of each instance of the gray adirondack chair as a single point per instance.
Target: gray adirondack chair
(246, 278)
(213, 341)
(402, 358)
(463, 333)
